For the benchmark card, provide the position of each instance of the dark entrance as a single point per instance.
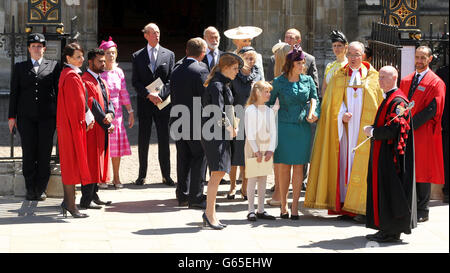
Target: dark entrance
(178, 20)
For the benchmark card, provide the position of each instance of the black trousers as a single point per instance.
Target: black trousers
(191, 167)
(88, 194)
(423, 198)
(161, 120)
(36, 136)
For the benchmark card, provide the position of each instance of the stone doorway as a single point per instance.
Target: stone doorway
(178, 20)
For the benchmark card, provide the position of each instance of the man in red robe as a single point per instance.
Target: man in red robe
(97, 138)
(427, 91)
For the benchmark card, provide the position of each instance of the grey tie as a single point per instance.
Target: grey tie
(213, 62)
(152, 58)
(36, 66)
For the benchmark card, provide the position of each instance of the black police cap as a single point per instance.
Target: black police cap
(36, 38)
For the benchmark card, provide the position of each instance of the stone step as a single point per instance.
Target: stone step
(12, 181)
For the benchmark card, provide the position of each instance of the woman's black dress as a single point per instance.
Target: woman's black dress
(215, 139)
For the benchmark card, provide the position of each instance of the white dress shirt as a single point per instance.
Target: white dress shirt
(36, 67)
(422, 74)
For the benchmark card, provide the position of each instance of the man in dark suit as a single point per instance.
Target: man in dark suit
(150, 63)
(32, 110)
(212, 37)
(293, 37)
(186, 87)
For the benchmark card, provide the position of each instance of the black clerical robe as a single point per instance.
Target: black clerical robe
(391, 193)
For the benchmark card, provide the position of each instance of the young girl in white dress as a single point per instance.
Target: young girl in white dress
(261, 137)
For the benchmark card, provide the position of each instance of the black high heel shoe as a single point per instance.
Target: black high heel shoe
(231, 196)
(74, 214)
(284, 216)
(206, 222)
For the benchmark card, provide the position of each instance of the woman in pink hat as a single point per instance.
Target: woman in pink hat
(115, 80)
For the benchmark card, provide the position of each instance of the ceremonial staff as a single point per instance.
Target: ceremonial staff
(400, 110)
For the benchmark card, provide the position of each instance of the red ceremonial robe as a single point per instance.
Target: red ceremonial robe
(98, 154)
(428, 137)
(71, 128)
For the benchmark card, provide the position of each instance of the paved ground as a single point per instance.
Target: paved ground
(147, 219)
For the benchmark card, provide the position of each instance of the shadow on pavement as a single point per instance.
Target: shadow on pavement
(146, 206)
(168, 231)
(29, 213)
(352, 243)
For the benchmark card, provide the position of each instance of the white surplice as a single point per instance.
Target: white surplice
(348, 139)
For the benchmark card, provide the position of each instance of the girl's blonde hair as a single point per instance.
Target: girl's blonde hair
(224, 61)
(259, 86)
(280, 59)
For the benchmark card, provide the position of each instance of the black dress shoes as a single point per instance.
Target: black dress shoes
(371, 237)
(90, 206)
(422, 219)
(201, 205)
(100, 202)
(383, 237)
(140, 181)
(168, 181)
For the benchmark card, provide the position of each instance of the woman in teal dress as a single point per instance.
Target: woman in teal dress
(296, 92)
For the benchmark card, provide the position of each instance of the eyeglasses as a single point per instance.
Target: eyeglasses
(351, 56)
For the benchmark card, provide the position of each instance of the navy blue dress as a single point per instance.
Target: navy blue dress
(215, 139)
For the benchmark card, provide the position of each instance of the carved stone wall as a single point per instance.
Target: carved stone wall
(314, 18)
(87, 23)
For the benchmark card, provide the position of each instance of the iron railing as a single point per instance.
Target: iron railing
(385, 45)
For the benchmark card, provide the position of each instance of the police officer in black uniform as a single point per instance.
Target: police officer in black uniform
(32, 110)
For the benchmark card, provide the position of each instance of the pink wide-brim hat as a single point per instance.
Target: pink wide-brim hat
(107, 44)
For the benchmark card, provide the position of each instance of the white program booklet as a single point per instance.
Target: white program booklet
(89, 117)
(155, 87)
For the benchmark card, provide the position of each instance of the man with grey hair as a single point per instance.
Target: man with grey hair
(352, 104)
(212, 37)
(186, 85)
(391, 207)
(150, 63)
(427, 90)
